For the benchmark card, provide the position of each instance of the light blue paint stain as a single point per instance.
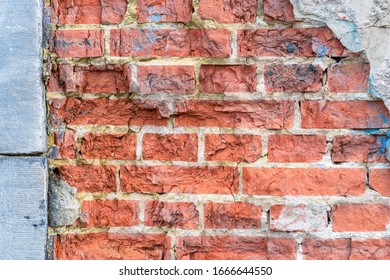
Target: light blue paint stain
(350, 35)
(383, 140)
(371, 88)
(385, 120)
(155, 17)
(372, 131)
(138, 47)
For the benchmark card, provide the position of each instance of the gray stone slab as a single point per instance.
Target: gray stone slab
(23, 227)
(22, 107)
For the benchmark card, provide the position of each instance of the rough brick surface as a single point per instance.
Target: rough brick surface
(164, 10)
(344, 114)
(231, 147)
(349, 77)
(65, 145)
(234, 248)
(171, 42)
(358, 148)
(176, 179)
(108, 146)
(182, 147)
(61, 78)
(110, 213)
(166, 79)
(112, 246)
(298, 218)
(249, 114)
(326, 249)
(292, 78)
(226, 215)
(171, 214)
(360, 217)
(227, 78)
(379, 180)
(296, 148)
(278, 10)
(77, 43)
(370, 249)
(236, 11)
(306, 181)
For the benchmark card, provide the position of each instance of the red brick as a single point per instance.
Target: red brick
(370, 249)
(234, 248)
(109, 146)
(166, 79)
(179, 179)
(231, 215)
(344, 114)
(289, 42)
(110, 213)
(296, 148)
(292, 78)
(233, 147)
(227, 78)
(278, 10)
(103, 79)
(61, 78)
(304, 181)
(358, 148)
(77, 43)
(348, 77)
(112, 246)
(379, 180)
(89, 178)
(243, 114)
(360, 217)
(299, 218)
(65, 145)
(170, 147)
(326, 249)
(236, 11)
(102, 111)
(164, 10)
(171, 214)
(171, 42)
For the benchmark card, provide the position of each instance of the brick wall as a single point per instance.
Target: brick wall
(206, 130)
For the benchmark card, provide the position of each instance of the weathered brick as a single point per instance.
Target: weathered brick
(296, 148)
(77, 43)
(109, 146)
(358, 148)
(229, 215)
(65, 145)
(360, 217)
(289, 42)
(348, 77)
(298, 218)
(61, 78)
(233, 147)
(112, 246)
(234, 248)
(171, 214)
(380, 180)
(235, 11)
(344, 114)
(227, 78)
(103, 79)
(89, 178)
(179, 179)
(166, 79)
(110, 213)
(278, 10)
(245, 114)
(304, 181)
(171, 42)
(326, 249)
(164, 10)
(88, 11)
(101, 111)
(170, 147)
(370, 249)
(292, 78)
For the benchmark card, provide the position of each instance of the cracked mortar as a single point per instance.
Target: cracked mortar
(64, 208)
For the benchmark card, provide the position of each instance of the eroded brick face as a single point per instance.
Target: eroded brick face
(213, 129)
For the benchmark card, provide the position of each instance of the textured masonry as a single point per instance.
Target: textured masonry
(208, 130)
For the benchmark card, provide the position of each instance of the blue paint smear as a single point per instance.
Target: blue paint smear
(385, 120)
(383, 140)
(371, 88)
(155, 18)
(138, 47)
(352, 36)
(371, 131)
